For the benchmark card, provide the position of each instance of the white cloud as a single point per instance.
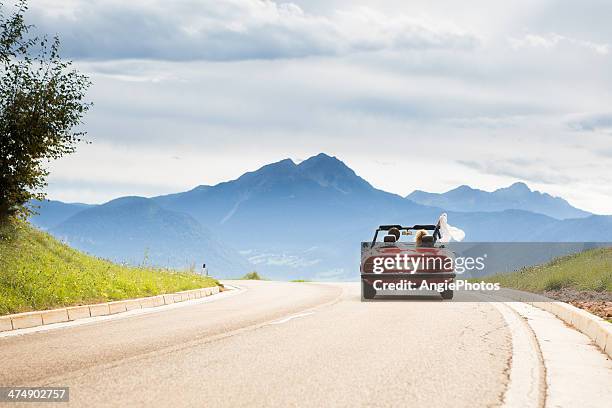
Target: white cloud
(230, 85)
(235, 30)
(553, 40)
(597, 122)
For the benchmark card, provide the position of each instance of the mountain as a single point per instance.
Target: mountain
(296, 216)
(52, 213)
(287, 202)
(518, 196)
(306, 220)
(136, 230)
(596, 228)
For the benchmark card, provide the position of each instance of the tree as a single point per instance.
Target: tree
(41, 104)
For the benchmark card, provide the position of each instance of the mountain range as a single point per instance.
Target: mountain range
(305, 220)
(136, 230)
(518, 196)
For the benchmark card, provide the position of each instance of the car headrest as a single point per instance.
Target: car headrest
(427, 241)
(390, 238)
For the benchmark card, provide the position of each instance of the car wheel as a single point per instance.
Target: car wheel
(447, 294)
(367, 290)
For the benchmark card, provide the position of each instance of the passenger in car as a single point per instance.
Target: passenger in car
(418, 240)
(394, 231)
(393, 235)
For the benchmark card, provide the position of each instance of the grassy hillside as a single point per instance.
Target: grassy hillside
(38, 272)
(586, 271)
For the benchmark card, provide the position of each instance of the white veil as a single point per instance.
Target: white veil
(449, 232)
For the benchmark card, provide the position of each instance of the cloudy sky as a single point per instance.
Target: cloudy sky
(410, 94)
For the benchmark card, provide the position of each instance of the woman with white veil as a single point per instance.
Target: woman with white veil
(448, 232)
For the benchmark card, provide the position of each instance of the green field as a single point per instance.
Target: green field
(38, 272)
(586, 271)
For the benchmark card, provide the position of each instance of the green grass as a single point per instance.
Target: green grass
(299, 280)
(38, 272)
(252, 276)
(588, 270)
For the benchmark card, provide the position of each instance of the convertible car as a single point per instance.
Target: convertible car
(393, 264)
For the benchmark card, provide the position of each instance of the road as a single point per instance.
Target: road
(306, 344)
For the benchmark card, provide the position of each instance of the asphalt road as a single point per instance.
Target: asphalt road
(303, 344)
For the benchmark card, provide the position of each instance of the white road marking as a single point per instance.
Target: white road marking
(286, 319)
(136, 312)
(527, 376)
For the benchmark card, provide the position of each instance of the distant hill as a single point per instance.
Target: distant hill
(518, 196)
(289, 220)
(136, 230)
(52, 213)
(596, 228)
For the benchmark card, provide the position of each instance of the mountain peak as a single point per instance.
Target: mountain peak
(329, 171)
(282, 164)
(269, 172)
(461, 189)
(128, 200)
(322, 159)
(517, 196)
(518, 187)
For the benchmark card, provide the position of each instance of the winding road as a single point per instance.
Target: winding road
(310, 344)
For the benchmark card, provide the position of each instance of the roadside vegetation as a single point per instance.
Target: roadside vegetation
(38, 272)
(252, 276)
(42, 104)
(590, 270)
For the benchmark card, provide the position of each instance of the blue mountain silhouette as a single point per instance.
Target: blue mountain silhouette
(306, 220)
(518, 196)
(136, 230)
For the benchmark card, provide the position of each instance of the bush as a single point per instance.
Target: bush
(252, 276)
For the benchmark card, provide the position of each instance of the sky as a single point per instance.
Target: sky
(411, 95)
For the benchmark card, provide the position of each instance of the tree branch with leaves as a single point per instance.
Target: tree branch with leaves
(42, 103)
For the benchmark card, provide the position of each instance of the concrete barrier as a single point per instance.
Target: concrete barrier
(596, 328)
(45, 317)
(99, 310)
(54, 316)
(6, 324)
(132, 304)
(26, 320)
(117, 307)
(78, 312)
(148, 302)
